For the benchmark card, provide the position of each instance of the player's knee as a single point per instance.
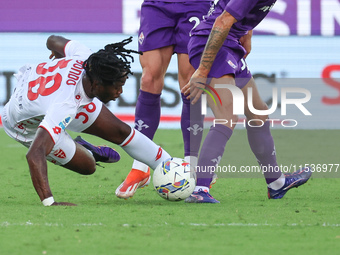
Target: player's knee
(120, 134)
(257, 119)
(151, 83)
(89, 168)
(82, 164)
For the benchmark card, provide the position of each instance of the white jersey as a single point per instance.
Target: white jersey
(49, 95)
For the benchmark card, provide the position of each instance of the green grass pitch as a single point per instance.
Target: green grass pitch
(305, 221)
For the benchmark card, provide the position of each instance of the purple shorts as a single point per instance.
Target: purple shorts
(165, 23)
(229, 59)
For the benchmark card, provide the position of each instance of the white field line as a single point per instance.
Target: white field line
(47, 224)
(232, 224)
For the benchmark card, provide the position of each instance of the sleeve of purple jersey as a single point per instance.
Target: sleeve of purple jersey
(239, 9)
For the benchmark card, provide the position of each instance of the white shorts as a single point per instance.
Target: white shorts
(64, 150)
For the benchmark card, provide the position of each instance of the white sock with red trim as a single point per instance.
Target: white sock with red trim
(141, 148)
(140, 166)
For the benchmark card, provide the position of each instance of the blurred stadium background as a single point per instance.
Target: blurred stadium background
(297, 45)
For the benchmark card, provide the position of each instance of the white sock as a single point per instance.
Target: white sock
(141, 148)
(201, 188)
(278, 183)
(140, 166)
(192, 160)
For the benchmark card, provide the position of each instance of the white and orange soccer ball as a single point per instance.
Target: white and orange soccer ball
(174, 179)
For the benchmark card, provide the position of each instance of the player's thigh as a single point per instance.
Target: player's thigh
(82, 161)
(71, 155)
(61, 153)
(154, 65)
(250, 90)
(63, 150)
(108, 127)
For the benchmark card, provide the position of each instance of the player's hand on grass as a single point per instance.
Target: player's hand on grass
(195, 87)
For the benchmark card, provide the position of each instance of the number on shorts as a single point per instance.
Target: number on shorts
(244, 65)
(197, 22)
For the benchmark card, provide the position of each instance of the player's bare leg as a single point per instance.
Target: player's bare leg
(148, 110)
(82, 162)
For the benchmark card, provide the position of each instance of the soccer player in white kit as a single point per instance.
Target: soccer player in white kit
(68, 93)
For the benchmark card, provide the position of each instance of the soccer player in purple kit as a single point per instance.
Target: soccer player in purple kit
(217, 50)
(164, 30)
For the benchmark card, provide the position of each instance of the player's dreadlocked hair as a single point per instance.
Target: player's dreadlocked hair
(110, 64)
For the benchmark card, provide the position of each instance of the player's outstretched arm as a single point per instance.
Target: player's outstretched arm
(56, 44)
(36, 158)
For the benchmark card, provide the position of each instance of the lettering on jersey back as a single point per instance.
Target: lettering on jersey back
(75, 73)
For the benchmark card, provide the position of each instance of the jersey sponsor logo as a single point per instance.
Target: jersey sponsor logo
(141, 38)
(64, 123)
(56, 130)
(231, 64)
(59, 153)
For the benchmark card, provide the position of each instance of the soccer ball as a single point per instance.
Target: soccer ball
(174, 179)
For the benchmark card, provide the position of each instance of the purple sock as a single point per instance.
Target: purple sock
(262, 144)
(148, 112)
(192, 127)
(211, 153)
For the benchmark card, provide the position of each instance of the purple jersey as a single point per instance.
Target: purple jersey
(248, 13)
